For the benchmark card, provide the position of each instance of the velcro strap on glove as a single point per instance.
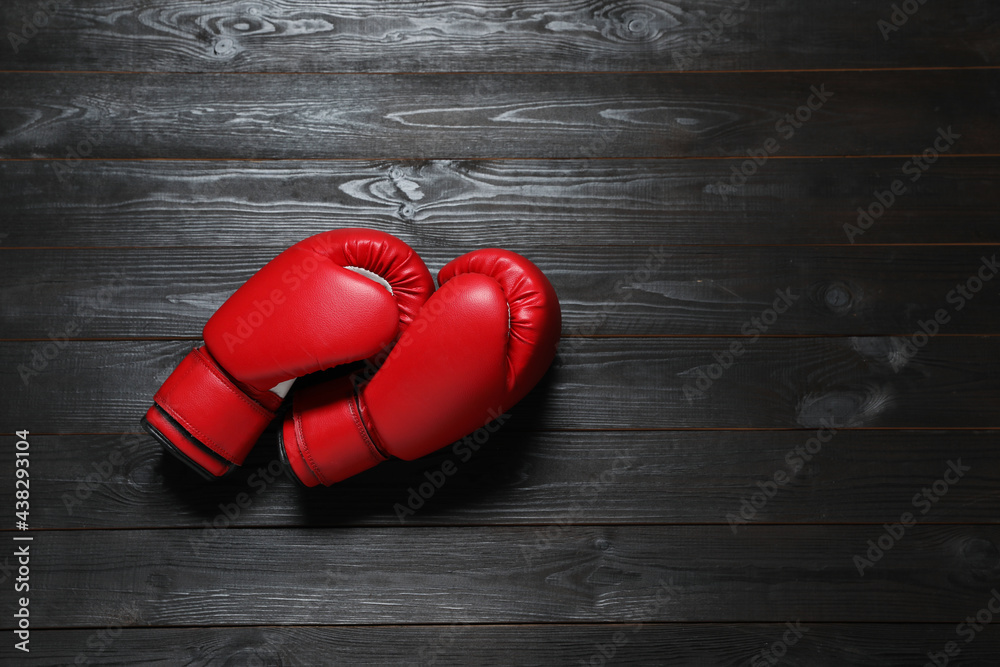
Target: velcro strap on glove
(220, 415)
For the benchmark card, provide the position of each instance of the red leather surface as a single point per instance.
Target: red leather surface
(535, 317)
(211, 408)
(303, 312)
(478, 345)
(199, 456)
(439, 383)
(328, 413)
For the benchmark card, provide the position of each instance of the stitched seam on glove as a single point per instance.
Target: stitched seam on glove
(300, 442)
(508, 364)
(163, 399)
(187, 437)
(233, 388)
(369, 425)
(355, 409)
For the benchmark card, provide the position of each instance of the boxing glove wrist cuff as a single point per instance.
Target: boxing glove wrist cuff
(341, 440)
(211, 408)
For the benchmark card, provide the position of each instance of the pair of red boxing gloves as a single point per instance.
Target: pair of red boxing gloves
(462, 356)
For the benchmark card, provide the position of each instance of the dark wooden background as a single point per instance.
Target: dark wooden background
(591, 137)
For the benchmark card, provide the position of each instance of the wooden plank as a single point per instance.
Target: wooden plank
(706, 477)
(462, 203)
(562, 35)
(821, 645)
(501, 575)
(436, 116)
(606, 291)
(595, 383)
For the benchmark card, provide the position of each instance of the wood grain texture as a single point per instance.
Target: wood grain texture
(501, 575)
(648, 644)
(123, 293)
(435, 116)
(276, 35)
(600, 139)
(705, 477)
(441, 203)
(595, 383)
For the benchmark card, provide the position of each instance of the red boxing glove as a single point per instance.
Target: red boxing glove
(330, 299)
(478, 345)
